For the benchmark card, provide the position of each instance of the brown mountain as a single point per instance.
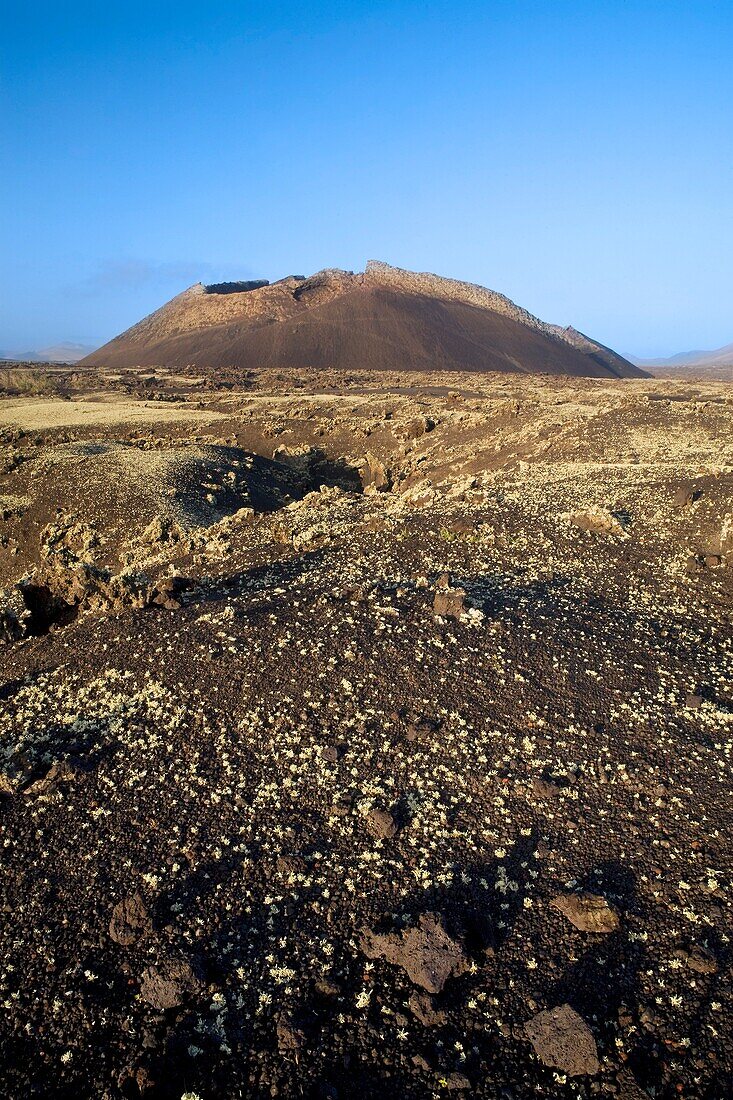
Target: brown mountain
(381, 319)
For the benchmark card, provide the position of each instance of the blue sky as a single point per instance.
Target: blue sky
(575, 156)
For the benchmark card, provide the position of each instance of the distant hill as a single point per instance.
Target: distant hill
(383, 318)
(719, 357)
(59, 353)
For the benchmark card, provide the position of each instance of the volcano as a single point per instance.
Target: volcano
(383, 318)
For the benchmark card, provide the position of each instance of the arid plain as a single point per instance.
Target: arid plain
(365, 734)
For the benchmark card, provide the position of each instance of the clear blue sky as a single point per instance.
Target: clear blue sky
(577, 156)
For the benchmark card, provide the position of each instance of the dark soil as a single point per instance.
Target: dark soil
(234, 828)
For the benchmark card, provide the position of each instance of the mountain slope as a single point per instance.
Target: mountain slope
(383, 318)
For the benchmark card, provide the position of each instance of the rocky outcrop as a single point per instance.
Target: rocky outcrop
(436, 286)
(83, 586)
(64, 587)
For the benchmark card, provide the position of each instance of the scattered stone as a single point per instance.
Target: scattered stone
(419, 494)
(421, 1063)
(343, 804)
(326, 989)
(457, 1081)
(381, 824)
(169, 984)
(69, 538)
(162, 530)
(130, 920)
(291, 865)
(165, 593)
(545, 788)
(627, 1086)
(449, 603)
(221, 736)
(290, 1037)
(649, 1019)
(462, 525)
(135, 1077)
(374, 474)
(726, 536)
(685, 496)
(422, 729)
(426, 952)
(601, 522)
(562, 1040)
(61, 772)
(698, 959)
(462, 487)
(419, 427)
(588, 912)
(15, 615)
(422, 1006)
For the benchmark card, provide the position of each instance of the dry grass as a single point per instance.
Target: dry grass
(26, 382)
(56, 413)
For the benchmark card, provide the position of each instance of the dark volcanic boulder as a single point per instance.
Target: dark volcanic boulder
(428, 954)
(562, 1039)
